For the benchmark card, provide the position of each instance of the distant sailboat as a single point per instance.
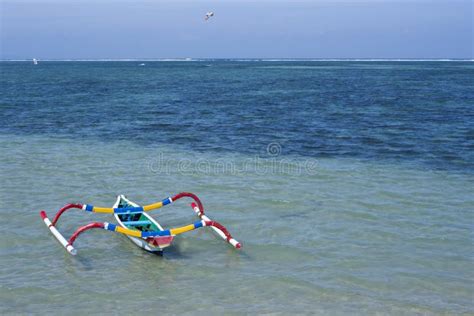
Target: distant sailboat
(35, 61)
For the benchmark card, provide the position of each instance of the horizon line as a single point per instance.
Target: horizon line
(187, 59)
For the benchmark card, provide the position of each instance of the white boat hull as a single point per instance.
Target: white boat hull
(140, 242)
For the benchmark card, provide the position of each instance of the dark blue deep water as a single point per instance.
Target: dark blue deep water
(418, 113)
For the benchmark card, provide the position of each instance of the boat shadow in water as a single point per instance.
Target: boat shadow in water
(176, 251)
(82, 263)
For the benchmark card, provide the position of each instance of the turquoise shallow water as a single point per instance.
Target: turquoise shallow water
(328, 230)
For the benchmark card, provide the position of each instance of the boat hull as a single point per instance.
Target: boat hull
(122, 201)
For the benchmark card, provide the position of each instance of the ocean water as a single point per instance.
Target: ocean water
(349, 183)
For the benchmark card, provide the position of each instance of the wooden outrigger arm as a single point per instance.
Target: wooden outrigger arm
(164, 234)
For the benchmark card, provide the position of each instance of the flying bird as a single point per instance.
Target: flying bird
(208, 15)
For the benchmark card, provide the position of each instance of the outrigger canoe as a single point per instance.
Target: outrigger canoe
(134, 222)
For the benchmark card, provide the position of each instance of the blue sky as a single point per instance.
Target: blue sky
(78, 29)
